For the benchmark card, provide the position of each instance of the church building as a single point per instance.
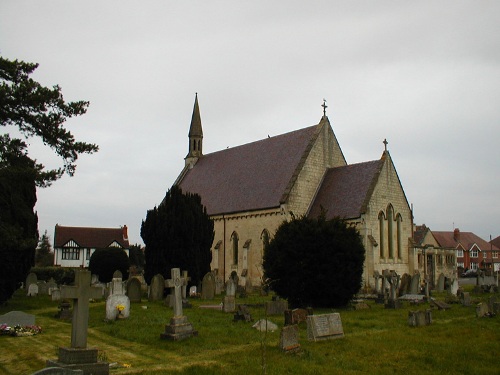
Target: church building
(249, 190)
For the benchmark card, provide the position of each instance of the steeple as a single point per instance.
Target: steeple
(195, 136)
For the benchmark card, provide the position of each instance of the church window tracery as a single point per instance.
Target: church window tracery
(399, 221)
(381, 226)
(390, 230)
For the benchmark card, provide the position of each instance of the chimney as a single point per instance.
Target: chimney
(124, 231)
(456, 234)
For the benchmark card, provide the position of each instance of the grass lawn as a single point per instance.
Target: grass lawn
(377, 341)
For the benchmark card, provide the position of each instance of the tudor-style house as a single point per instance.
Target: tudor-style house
(251, 189)
(73, 246)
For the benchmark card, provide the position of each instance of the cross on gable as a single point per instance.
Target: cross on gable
(176, 283)
(81, 293)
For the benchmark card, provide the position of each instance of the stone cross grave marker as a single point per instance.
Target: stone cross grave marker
(176, 283)
(81, 293)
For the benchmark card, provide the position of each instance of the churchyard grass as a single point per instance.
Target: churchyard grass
(377, 341)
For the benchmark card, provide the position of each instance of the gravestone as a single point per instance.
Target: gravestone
(117, 274)
(454, 287)
(51, 285)
(56, 294)
(58, 371)
(440, 304)
(43, 289)
(179, 327)
(156, 288)
(324, 327)
(440, 283)
(33, 290)
(297, 316)
(415, 284)
(219, 285)
(186, 279)
(289, 339)
(419, 318)
(482, 310)
(264, 325)
(65, 312)
(112, 303)
(242, 313)
(208, 286)
(31, 279)
(404, 286)
(465, 299)
(229, 302)
(393, 281)
(231, 287)
(276, 307)
(116, 286)
(134, 291)
(14, 318)
(78, 356)
(94, 279)
(192, 291)
(376, 276)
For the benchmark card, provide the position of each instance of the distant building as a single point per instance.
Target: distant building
(73, 246)
(472, 251)
(432, 258)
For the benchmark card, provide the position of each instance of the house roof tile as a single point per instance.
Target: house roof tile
(89, 237)
(466, 239)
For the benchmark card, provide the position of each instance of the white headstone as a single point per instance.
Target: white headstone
(112, 303)
(33, 290)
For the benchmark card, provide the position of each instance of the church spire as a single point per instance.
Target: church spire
(195, 136)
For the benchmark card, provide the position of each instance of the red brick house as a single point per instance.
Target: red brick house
(73, 246)
(472, 251)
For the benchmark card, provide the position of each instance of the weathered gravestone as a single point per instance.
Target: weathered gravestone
(134, 291)
(482, 310)
(186, 279)
(419, 318)
(404, 286)
(415, 284)
(31, 279)
(51, 286)
(208, 286)
(43, 289)
(156, 288)
(276, 307)
(289, 339)
(324, 327)
(297, 316)
(17, 318)
(179, 327)
(454, 287)
(33, 290)
(393, 281)
(242, 313)
(440, 304)
(229, 302)
(440, 283)
(219, 285)
(78, 356)
(58, 371)
(117, 307)
(465, 299)
(116, 286)
(264, 325)
(56, 294)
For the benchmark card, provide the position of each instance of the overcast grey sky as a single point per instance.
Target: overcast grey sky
(423, 74)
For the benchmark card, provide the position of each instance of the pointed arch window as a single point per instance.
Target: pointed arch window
(390, 231)
(399, 228)
(265, 240)
(381, 228)
(234, 240)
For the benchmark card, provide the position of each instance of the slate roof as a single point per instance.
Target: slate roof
(250, 177)
(345, 191)
(419, 234)
(467, 240)
(88, 237)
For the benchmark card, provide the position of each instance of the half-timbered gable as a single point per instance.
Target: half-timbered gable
(73, 246)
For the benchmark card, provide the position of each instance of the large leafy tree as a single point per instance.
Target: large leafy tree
(315, 262)
(178, 234)
(34, 111)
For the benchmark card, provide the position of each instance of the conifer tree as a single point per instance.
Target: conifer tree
(315, 262)
(178, 234)
(44, 256)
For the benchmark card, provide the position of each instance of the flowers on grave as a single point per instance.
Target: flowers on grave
(120, 308)
(19, 331)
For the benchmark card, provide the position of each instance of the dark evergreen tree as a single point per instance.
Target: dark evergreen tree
(136, 257)
(35, 111)
(315, 262)
(178, 234)
(44, 256)
(18, 221)
(104, 263)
